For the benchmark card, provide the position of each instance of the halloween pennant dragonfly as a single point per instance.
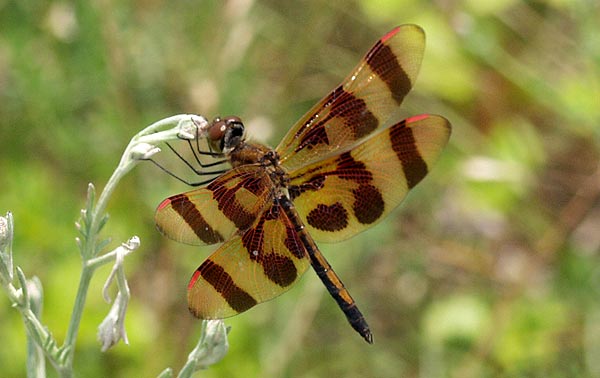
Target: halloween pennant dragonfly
(337, 172)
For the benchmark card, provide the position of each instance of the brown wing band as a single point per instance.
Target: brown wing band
(405, 146)
(189, 212)
(222, 282)
(383, 62)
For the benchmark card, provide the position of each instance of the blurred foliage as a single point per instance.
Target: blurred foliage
(490, 269)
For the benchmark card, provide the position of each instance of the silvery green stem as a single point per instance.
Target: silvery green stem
(36, 362)
(211, 348)
(141, 146)
(6, 239)
(28, 298)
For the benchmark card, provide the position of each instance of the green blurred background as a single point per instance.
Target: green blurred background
(490, 268)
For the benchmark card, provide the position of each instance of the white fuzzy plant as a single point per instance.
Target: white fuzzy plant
(26, 295)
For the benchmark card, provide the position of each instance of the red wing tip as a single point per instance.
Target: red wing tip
(194, 278)
(390, 34)
(164, 204)
(417, 118)
(395, 31)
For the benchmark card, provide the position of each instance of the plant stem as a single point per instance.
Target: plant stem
(141, 147)
(127, 162)
(36, 360)
(87, 270)
(82, 290)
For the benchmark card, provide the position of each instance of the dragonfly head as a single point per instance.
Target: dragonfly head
(226, 133)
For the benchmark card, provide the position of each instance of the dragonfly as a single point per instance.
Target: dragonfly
(340, 169)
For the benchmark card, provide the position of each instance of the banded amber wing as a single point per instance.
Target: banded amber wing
(212, 214)
(250, 268)
(348, 193)
(363, 102)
